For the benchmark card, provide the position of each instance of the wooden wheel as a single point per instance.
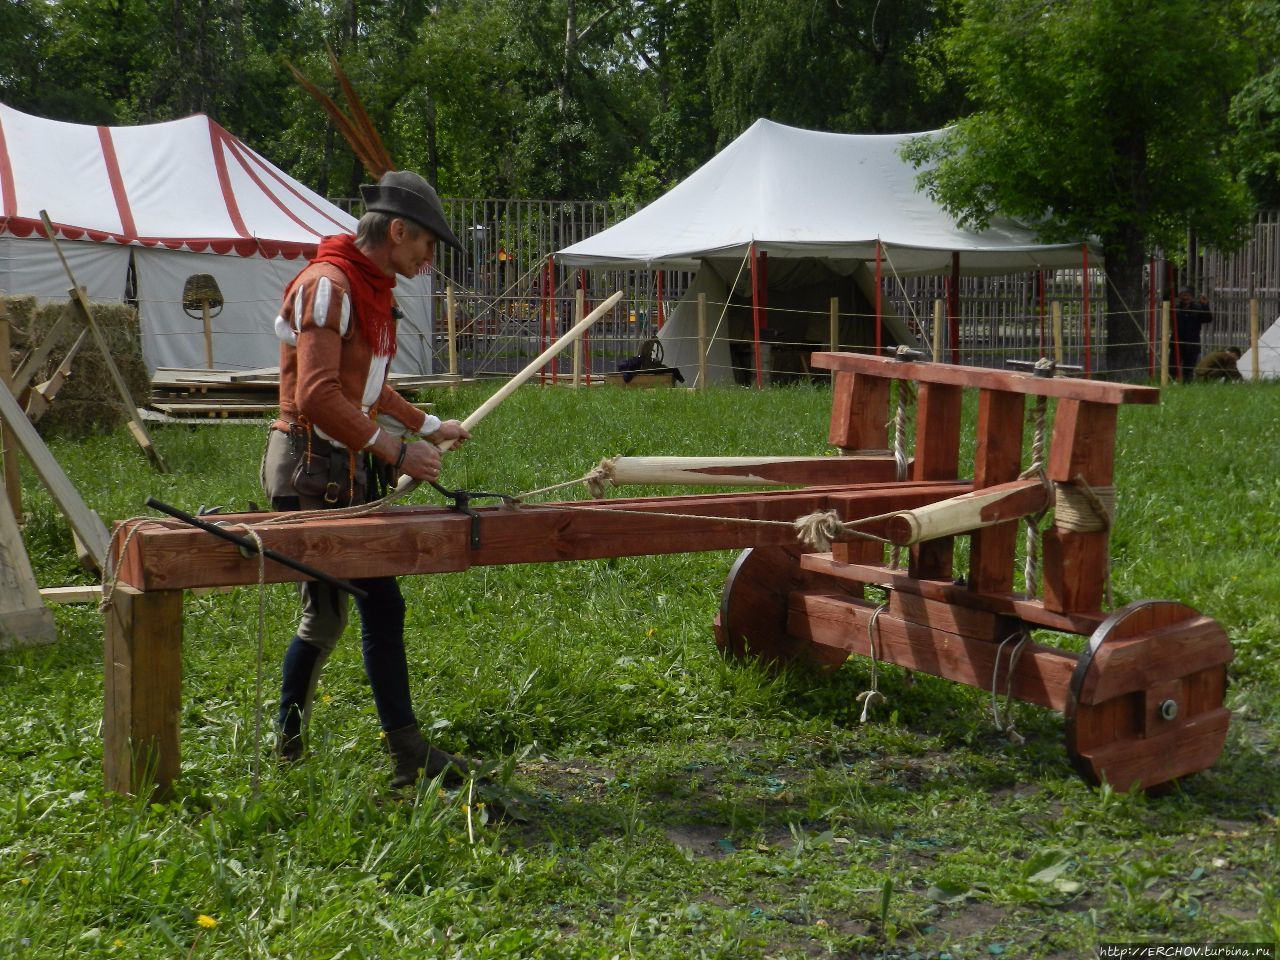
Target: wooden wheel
(1146, 699)
(752, 621)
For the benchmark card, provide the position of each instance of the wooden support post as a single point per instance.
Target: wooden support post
(834, 325)
(142, 653)
(1056, 313)
(579, 311)
(451, 328)
(997, 459)
(702, 341)
(937, 331)
(1165, 319)
(1254, 363)
(11, 477)
(1083, 448)
(208, 334)
(859, 412)
(937, 457)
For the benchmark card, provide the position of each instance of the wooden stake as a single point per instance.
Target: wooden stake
(834, 325)
(702, 341)
(937, 330)
(451, 323)
(1055, 312)
(579, 309)
(1164, 343)
(80, 303)
(1254, 359)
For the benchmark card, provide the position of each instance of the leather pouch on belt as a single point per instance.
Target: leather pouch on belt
(326, 473)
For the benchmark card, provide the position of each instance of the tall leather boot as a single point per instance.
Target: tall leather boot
(411, 754)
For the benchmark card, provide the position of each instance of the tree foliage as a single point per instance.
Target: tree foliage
(1103, 117)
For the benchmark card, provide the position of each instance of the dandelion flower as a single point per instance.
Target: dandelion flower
(206, 921)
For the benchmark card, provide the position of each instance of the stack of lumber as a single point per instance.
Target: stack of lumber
(184, 394)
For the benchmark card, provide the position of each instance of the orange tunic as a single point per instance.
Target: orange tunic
(329, 375)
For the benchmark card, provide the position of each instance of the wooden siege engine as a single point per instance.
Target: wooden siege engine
(1143, 703)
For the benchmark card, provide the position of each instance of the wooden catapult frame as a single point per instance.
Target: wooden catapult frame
(1143, 703)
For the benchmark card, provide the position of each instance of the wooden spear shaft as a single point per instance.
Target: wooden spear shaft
(405, 485)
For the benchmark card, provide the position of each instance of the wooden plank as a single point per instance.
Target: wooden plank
(24, 619)
(1074, 566)
(408, 540)
(1084, 443)
(951, 618)
(42, 395)
(1098, 391)
(1042, 675)
(84, 522)
(997, 459)
(937, 458)
(142, 654)
(859, 412)
(1031, 611)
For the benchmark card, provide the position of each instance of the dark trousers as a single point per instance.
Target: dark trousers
(381, 641)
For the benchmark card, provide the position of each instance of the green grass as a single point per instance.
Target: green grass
(682, 806)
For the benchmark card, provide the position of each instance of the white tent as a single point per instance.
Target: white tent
(164, 202)
(817, 204)
(1268, 355)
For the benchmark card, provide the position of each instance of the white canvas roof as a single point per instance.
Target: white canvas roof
(802, 193)
(183, 197)
(1268, 355)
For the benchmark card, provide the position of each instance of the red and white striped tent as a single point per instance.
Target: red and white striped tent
(164, 202)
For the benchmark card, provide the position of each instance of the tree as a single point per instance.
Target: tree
(1103, 117)
(850, 66)
(1255, 111)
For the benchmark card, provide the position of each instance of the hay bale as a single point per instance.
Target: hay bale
(88, 402)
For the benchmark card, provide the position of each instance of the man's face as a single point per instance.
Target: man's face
(413, 249)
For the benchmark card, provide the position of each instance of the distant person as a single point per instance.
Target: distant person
(1220, 365)
(1191, 315)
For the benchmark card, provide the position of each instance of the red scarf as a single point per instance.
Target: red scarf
(370, 291)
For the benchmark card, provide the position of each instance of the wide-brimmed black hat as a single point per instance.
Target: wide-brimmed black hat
(402, 193)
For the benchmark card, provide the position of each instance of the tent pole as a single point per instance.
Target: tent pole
(755, 314)
(1084, 269)
(953, 306)
(661, 318)
(553, 316)
(879, 305)
(586, 334)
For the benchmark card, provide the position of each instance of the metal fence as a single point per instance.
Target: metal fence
(511, 299)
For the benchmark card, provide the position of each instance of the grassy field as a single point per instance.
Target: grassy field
(679, 805)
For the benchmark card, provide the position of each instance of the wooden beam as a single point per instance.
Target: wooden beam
(84, 522)
(411, 540)
(1042, 675)
(997, 459)
(1097, 391)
